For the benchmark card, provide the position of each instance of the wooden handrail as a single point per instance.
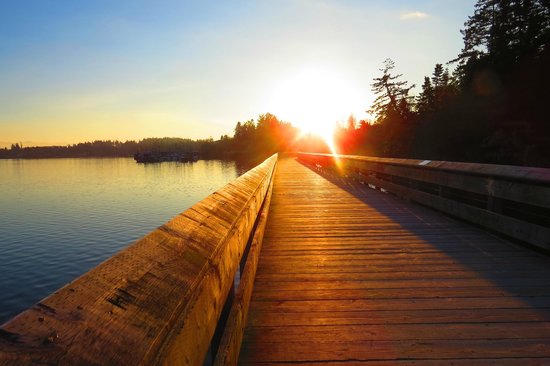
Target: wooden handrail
(509, 172)
(514, 201)
(230, 345)
(157, 301)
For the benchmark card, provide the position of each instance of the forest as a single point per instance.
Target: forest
(259, 138)
(490, 108)
(486, 105)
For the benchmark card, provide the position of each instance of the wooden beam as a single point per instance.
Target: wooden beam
(228, 353)
(155, 302)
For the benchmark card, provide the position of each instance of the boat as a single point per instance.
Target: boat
(157, 157)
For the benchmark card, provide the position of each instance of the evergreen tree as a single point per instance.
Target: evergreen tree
(392, 95)
(425, 100)
(502, 32)
(392, 108)
(437, 76)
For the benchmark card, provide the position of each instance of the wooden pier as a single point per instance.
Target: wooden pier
(313, 261)
(348, 273)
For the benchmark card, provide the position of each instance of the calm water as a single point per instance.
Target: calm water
(61, 217)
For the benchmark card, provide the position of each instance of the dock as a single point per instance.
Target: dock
(319, 260)
(351, 274)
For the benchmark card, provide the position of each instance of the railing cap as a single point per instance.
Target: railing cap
(508, 172)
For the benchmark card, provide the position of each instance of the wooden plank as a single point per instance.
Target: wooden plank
(312, 351)
(435, 258)
(400, 293)
(542, 361)
(435, 303)
(385, 317)
(352, 275)
(155, 302)
(388, 332)
(494, 275)
(387, 267)
(404, 284)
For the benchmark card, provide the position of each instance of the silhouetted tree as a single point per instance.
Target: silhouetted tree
(392, 95)
(504, 65)
(392, 108)
(501, 33)
(425, 101)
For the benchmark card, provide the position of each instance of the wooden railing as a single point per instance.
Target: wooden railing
(510, 200)
(162, 301)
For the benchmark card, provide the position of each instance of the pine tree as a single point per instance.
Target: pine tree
(392, 95)
(425, 100)
(392, 108)
(502, 32)
(437, 76)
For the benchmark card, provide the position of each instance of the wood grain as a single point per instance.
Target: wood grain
(350, 274)
(511, 200)
(155, 302)
(230, 345)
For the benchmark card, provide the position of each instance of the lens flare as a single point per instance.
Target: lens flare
(315, 99)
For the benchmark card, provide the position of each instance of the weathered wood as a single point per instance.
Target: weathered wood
(350, 274)
(389, 332)
(530, 174)
(527, 192)
(387, 317)
(514, 201)
(399, 293)
(524, 231)
(381, 303)
(312, 351)
(543, 361)
(230, 346)
(156, 302)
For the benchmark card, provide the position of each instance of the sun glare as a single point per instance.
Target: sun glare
(315, 99)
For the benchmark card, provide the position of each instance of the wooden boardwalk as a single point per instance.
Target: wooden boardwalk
(349, 274)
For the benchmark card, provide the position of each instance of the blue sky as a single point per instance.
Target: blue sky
(81, 70)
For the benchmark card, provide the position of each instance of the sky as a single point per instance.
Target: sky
(81, 70)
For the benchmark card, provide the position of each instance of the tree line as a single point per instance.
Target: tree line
(252, 139)
(105, 148)
(486, 105)
(490, 108)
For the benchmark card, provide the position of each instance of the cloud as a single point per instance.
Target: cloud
(412, 15)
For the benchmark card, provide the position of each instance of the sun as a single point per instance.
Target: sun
(314, 99)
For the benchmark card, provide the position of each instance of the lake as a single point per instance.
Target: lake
(61, 217)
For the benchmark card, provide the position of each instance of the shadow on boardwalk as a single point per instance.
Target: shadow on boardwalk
(516, 270)
(350, 274)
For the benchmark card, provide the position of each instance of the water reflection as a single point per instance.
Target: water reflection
(61, 217)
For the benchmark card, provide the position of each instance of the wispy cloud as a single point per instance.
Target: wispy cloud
(412, 15)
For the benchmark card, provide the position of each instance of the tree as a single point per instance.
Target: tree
(503, 73)
(392, 95)
(438, 79)
(425, 100)
(392, 108)
(238, 131)
(263, 137)
(502, 32)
